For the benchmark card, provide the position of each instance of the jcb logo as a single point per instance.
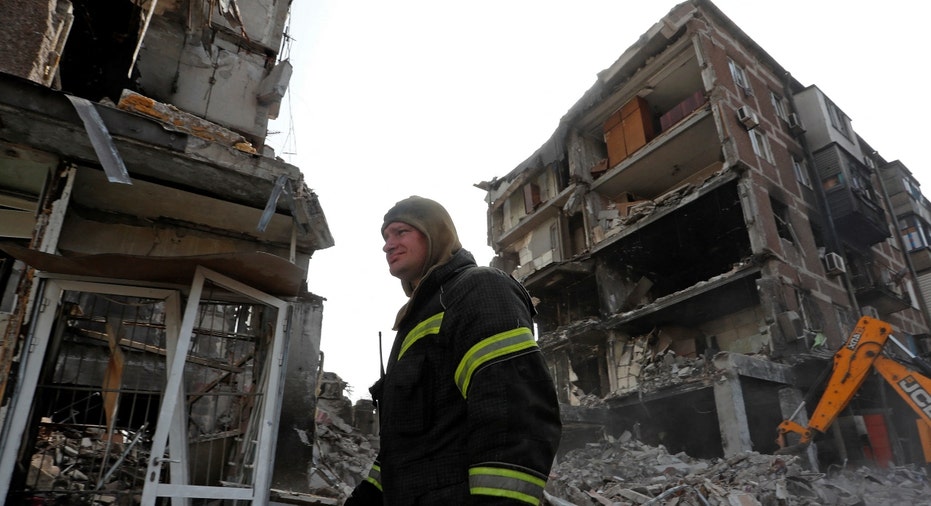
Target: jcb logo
(919, 395)
(854, 341)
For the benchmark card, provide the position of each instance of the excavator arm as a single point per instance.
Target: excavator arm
(852, 363)
(915, 388)
(910, 384)
(861, 353)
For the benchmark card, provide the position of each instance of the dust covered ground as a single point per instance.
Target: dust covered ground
(625, 471)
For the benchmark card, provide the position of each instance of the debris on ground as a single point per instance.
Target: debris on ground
(345, 443)
(624, 471)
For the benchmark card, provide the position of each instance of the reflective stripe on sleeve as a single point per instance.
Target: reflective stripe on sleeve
(490, 348)
(374, 476)
(425, 328)
(504, 482)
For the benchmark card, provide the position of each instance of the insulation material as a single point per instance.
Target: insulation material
(183, 121)
(629, 365)
(113, 377)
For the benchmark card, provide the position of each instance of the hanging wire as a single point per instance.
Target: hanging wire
(284, 52)
(289, 144)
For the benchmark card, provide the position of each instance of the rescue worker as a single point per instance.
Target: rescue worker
(467, 408)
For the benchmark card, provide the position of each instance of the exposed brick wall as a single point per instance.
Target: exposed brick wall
(24, 31)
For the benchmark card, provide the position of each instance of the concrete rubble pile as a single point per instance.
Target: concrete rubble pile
(667, 369)
(345, 443)
(624, 471)
(342, 458)
(87, 466)
(651, 363)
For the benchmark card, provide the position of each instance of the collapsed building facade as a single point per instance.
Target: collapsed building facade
(158, 337)
(700, 231)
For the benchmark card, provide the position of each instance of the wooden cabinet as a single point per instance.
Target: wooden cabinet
(628, 130)
(531, 197)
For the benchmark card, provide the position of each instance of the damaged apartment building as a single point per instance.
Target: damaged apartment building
(700, 232)
(159, 342)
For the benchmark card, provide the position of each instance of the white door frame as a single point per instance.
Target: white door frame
(33, 355)
(169, 417)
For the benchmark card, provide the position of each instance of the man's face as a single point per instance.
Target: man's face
(406, 251)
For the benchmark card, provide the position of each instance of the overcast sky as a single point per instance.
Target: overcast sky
(392, 99)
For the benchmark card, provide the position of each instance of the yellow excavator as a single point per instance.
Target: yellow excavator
(862, 353)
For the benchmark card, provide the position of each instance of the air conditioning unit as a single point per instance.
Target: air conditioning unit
(747, 117)
(834, 264)
(795, 124)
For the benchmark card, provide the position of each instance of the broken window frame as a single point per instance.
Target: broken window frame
(783, 222)
(35, 346)
(267, 428)
(171, 428)
(740, 77)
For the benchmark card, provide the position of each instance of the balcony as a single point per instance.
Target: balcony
(858, 219)
(885, 299)
(674, 156)
(921, 258)
(853, 200)
(877, 287)
(546, 210)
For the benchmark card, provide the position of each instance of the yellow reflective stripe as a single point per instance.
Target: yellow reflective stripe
(425, 328)
(502, 482)
(374, 476)
(491, 348)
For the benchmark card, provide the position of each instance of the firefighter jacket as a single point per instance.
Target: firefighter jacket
(467, 407)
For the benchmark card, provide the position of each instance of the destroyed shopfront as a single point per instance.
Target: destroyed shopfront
(698, 224)
(157, 331)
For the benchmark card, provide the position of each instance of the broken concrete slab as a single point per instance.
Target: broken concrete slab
(625, 471)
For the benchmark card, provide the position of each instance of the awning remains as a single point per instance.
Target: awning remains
(263, 271)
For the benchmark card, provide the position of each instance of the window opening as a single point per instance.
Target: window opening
(801, 171)
(911, 186)
(839, 120)
(761, 144)
(783, 225)
(740, 77)
(915, 232)
(779, 105)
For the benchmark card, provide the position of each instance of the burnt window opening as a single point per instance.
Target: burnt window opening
(98, 393)
(101, 386)
(781, 216)
(576, 236)
(700, 240)
(98, 54)
(562, 304)
(682, 423)
(588, 364)
(818, 234)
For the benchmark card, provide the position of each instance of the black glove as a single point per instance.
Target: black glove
(365, 494)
